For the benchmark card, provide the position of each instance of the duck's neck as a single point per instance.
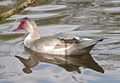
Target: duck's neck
(28, 42)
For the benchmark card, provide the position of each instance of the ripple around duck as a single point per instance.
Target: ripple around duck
(77, 1)
(8, 69)
(112, 10)
(54, 29)
(33, 16)
(46, 8)
(114, 2)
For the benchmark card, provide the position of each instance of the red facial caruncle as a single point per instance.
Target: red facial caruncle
(20, 26)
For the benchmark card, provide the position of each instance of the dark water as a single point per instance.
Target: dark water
(86, 18)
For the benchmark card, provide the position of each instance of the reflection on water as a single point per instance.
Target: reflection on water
(86, 18)
(71, 63)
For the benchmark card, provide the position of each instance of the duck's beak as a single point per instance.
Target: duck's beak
(18, 28)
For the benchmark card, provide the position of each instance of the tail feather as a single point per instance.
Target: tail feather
(89, 48)
(99, 40)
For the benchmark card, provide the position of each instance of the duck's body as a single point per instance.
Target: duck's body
(54, 44)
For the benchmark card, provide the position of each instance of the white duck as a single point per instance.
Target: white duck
(53, 44)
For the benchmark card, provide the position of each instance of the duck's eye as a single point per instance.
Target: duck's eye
(23, 22)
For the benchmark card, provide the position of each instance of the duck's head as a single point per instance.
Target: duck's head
(28, 25)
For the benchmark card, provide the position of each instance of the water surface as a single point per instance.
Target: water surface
(86, 18)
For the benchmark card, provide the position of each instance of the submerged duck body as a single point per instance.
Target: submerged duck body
(54, 45)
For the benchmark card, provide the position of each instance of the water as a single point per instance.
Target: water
(86, 18)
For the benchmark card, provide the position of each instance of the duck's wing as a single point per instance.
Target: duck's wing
(54, 41)
(47, 44)
(46, 41)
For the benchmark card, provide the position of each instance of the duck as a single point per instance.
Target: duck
(54, 45)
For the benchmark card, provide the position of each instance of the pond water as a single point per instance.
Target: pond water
(86, 18)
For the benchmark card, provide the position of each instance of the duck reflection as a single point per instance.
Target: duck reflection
(69, 63)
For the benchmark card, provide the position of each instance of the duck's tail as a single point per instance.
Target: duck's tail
(89, 48)
(99, 40)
